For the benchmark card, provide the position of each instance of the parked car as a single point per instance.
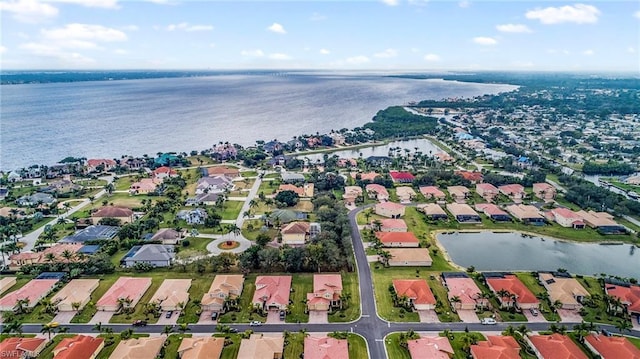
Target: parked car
(139, 323)
(53, 325)
(169, 314)
(214, 315)
(282, 314)
(606, 333)
(233, 330)
(255, 323)
(534, 312)
(488, 321)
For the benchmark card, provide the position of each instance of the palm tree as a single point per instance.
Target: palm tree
(97, 327)
(50, 257)
(623, 325)
(456, 300)
(13, 326)
(21, 305)
(47, 329)
(167, 330)
(67, 255)
(384, 256)
(183, 328)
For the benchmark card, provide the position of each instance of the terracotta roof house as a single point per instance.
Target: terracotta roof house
(33, 291)
(369, 176)
(351, 193)
(272, 292)
(518, 294)
(77, 291)
(298, 233)
(377, 191)
(629, 296)
(430, 348)
(401, 176)
(20, 259)
(125, 287)
(611, 347)
(567, 218)
(406, 194)
(471, 176)
(514, 191)
(306, 191)
(167, 236)
(417, 291)
(201, 348)
(325, 348)
(389, 209)
(14, 347)
(138, 348)
(496, 347)
(544, 191)
(434, 192)
(493, 212)
(432, 211)
(125, 215)
(602, 221)
(164, 172)
(444, 157)
(172, 293)
(409, 257)
(78, 347)
(6, 283)
(94, 164)
(327, 289)
(228, 171)
(526, 213)
(463, 213)
(398, 239)
(145, 185)
(487, 191)
(465, 289)
(563, 288)
(259, 346)
(391, 225)
(458, 193)
(223, 287)
(555, 346)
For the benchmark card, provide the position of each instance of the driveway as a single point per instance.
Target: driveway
(273, 317)
(163, 320)
(205, 318)
(568, 315)
(468, 316)
(101, 317)
(428, 316)
(533, 319)
(318, 317)
(64, 317)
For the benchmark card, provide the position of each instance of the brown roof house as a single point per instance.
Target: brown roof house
(125, 215)
(259, 346)
(377, 191)
(564, 289)
(139, 348)
(406, 194)
(75, 295)
(167, 236)
(201, 348)
(351, 194)
(432, 211)
(434, 192)
(458, 193)
(327, 289)
(389, 209)
(544, 191)
(298, 233)
(173, 294)
(224, 286)
(408, 257)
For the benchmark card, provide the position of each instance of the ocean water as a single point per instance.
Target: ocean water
(44, 123)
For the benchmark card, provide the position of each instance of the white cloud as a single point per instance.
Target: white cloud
(84, 32)
(631, 50)
(29, 11)
(324, 52)
(252, 53)
(637, 14)
(2, 49)
(514, 28)
(277, 28)
(588, 52)
(278, 56)
(185, 26)
(418, 2)
(105, 4)
(432, 57)
(46, 50)
(391, 2)
(464, 4)
(317, 17)
(130, 28)
(357, 60)
(120, 52)
(578, 13)
(481, 40)
(388, 53)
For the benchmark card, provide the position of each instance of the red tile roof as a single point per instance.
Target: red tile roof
(416, 289)
(430, 348)
(470, 176)
(78, 347)
(401, 176)
(613, 347)
(490, 209)
(487, 187)
(377, 188)
(165, 170)
(630, 296)
(397, 237)
(511, 189)
(464, 288)
(15, 347)
(275, 289)
(433, 191)
(512, 284)
(496, 347)
(556, 346)
(296, 228)
(33, 291)
(325, 348)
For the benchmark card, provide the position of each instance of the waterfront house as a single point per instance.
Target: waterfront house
(567, 218)
(432, 211)
(417, 292)
(389, 209)
(493, 212)
(628, 294)
(463, 213)
(390, 225)
(408, 257)
(100, 165)
(527, 214)
(511, 291)
(463, 292)
(430, 347)
(563, 288)
(602, 221)
(398, 239)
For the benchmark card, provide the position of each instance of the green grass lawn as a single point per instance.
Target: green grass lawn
(252, 228)
(243, 315)
(172, 344)
(635, 341)
(199, 286)
(249, 174)
(382, 279)
(197, 247)
(231, 209)
(394, 349)
(531, 282)
(301, 285)
(352, 310)
(458, 342)
(597, 314)
(90, 309)
(123, 183)
(504, 315)
(231, 351)
(357, 347)
(295, 346)
(443, 309)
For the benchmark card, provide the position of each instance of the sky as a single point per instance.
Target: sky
(393, 35)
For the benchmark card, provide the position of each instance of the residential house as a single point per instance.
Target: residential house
(555, 346)
(261, 346)
(36, 199)
(75, 295)
(145, 186)
(463, 292)
(496, 347)
(377, 191)
(18, 347)
(405, 194)
(401, 176)
(567, 218)
(629, 296)
(369, 176)
(298, 233)
(139, 348)
(224, 286)
(100, 165)
(193, 217)
(132, 288)
(563, 288)
(78, 347)
(432, 211)
(166, 159)
(487, 191)
(351, 194)
(164, 172)
(228, 171)
(272, 292)
(6, 283)
(16, 261)
(417, 292)
(156, 255)
(33, 292)
(463, 213)
(471, 176)
(123, 214)
(292, 177)
(514, 191)
(398, 239)
(224, 152)
(201, 348)
(511, 291)
(173, 294)
(214, 184)
(458, 193)
(390, 225)
(381, 161)
(409, 257)
(611, 347)
(430, 348)
(544, 191)
(432, 192)
(306, 191)
(493, 212)
(166, 236)
(203, 199)
(325, 348)
(91, 233)
(327, 289)
(527, 214)
(389, 209)
(602, 221)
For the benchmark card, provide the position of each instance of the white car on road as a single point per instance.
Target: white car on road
(488, 321)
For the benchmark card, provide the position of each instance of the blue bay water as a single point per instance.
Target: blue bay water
(43, 123)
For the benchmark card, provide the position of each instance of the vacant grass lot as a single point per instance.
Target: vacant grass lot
(394, 349)
(301, 284)
(231, 209)
(252, 228)
(199, 286)
(459, 343)
(230, 351)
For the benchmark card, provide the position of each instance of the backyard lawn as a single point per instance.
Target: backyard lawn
(352, 310)
(231, 209)
(199, 286)
(90, 309)
(301, 284)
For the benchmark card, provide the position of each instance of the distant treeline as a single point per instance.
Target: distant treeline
(589, 196)
(611, 168)
(395, 121)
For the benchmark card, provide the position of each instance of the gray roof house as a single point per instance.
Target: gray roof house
(217, 184)
(167, 236)
(205, 199)
(195, 216)
(157, 255)
(36, 198)
(291, 177)
(91, 233)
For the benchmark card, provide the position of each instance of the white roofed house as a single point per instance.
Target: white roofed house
(217, 184)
